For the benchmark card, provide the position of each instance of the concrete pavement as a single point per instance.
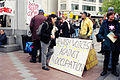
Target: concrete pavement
(16, 66)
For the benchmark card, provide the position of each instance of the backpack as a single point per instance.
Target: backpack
(38, 31)
(29, 47)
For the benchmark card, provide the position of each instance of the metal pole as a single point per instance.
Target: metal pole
(47, 6)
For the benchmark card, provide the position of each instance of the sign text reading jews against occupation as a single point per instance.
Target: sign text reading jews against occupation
(70, 55)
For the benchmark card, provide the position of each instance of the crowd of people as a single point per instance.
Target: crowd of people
(55, 27)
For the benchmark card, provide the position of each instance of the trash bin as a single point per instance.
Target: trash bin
(26, 38)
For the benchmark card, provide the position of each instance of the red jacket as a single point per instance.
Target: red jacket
(34, 24)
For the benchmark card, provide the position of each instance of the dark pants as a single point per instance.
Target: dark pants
(107, 58)
(36, 46)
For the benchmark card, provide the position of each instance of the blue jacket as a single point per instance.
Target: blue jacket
(107, 44)
(3, 39)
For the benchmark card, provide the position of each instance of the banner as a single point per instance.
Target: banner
(32, 10)
(71, 15)
(65, 14)
(7, 8)
(70, 55)
(92, 59)
(76, 17)
(52, 12)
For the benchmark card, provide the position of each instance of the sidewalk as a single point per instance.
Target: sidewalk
(16, 66)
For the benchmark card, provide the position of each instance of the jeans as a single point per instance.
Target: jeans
(106, 61)
(44, 51)
(50, 52)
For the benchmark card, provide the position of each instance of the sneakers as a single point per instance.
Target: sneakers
(103, 73)
(45, 68)
(115, 74)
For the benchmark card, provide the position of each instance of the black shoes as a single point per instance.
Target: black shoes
(45, 68)
(115, 74)
(32, 61)
(103, 73)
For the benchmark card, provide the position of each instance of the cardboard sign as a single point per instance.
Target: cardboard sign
(71, 15)
(52, 12)
(76, 17)
(32, 10)
(92, 59)
(7, 8)
(65, 14)
(70, 55)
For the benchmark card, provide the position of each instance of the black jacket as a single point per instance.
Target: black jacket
(107, 45)
(65, 30)
(46, 33)
(3, 39)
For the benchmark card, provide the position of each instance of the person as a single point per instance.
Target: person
(46, 37)
(86, 27)
(89, 15)
(110, 25)
(3, 38)
(58, 24)
(65, 28)
(94, 28)
(35, 23)
(55, 32)
(75, 25)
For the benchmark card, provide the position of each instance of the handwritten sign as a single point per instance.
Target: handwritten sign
(70, 55)
(32, 10)
(7, 8)
(92, 59)
(71, 15)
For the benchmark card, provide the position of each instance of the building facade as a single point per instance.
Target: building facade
(17, 24)
(78, 6)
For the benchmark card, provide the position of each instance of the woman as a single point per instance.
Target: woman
(46, 38)
(110, 25)
(66, 30)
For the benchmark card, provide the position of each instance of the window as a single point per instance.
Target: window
(75, 6)
(90, 0)
(88, 8)
(5, 21)
(100, 9)
(63, 6)
(101, 1)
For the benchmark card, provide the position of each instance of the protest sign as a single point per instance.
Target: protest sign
(65, 14)
(71, 15)
(7, 8)
(92, 59)
(32, 10)
(76, 17)
(70, 55)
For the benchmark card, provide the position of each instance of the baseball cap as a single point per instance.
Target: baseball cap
(41, 11)
(110, 9)
(84, 13)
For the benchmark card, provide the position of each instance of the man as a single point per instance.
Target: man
(110, 25)
(3, 38)
(47, 33)
(35, 23)
(86, 27)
